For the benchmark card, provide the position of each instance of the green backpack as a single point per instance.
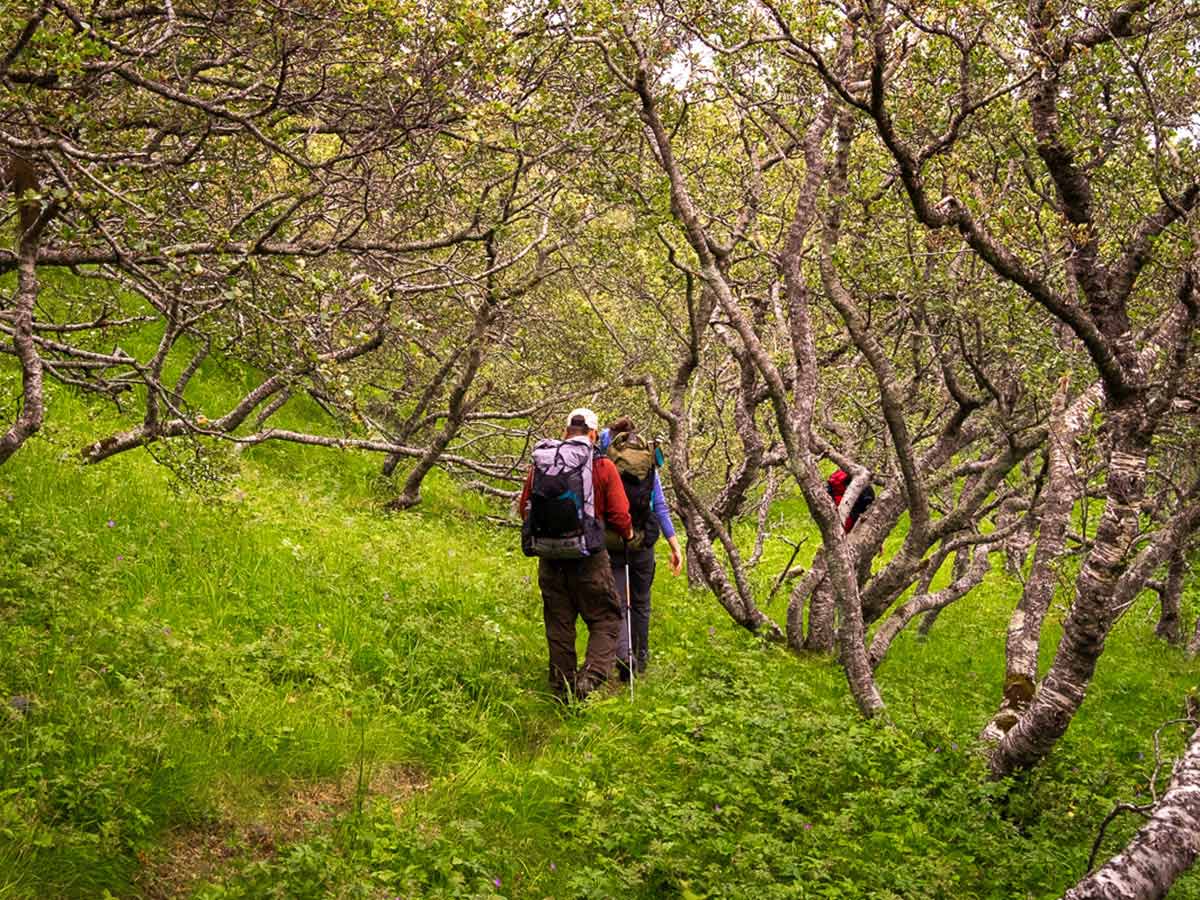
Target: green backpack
(634, 458)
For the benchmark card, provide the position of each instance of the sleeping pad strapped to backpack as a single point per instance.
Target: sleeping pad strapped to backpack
(634, 459)
(562, 521)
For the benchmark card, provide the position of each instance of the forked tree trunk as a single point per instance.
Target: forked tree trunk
(733, 595)
(969, 572)
(413, 421)
(1058, 500)
(821, 636)
(1092, 614)
(1163, 849)
(843, 586)
(410, 496)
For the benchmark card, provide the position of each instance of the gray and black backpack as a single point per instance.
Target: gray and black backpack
(562, 521)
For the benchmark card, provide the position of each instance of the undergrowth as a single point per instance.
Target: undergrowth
(177, 661)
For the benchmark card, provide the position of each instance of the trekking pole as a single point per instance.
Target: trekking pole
(628, 624)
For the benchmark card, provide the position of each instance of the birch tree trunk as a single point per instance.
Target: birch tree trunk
(1092, 614)
(410, 496)
(1163, 849)
(966, 578)
(1025, 626)
(1100, 600)
(33, 407)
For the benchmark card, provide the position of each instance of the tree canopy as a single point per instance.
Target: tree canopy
(948, 248)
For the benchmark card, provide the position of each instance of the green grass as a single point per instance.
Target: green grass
(190, 660)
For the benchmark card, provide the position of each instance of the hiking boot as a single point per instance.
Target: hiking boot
(588, 681)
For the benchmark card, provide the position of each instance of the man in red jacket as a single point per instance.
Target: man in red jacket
(583, 587)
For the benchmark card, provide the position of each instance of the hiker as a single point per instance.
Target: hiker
(836, 487)
(571, 493)
(637, 461)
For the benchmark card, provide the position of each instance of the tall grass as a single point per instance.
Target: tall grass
(176, 664)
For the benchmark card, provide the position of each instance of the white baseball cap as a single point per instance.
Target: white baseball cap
(589, 418)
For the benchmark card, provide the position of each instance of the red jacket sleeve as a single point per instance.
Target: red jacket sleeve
(611, 503)
(523, 503)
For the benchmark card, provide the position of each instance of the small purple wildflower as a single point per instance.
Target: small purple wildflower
(111, 523)
(496, 882)
(553, 867)
(808, 826)
(119, 557)
(954, 746)
(937, 749)
(716, 807)
(711, 631)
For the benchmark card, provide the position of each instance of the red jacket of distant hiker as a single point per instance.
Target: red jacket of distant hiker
(836, 486)
(612, 508)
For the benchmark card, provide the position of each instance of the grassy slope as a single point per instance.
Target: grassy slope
(191, 662)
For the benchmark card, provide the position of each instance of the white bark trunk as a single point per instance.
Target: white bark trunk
(1163, 849)
(33, 408)
(1025, 626)
(1092, 614)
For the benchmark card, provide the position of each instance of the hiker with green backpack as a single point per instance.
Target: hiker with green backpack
(637, 462)
(572, 496)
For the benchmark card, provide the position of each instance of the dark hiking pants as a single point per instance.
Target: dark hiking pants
(641, 577)
(572, 588)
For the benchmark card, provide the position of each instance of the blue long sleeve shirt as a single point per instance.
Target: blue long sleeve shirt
(658, 504)
(658, 500)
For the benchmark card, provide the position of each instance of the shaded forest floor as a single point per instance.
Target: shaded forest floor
(270, 687)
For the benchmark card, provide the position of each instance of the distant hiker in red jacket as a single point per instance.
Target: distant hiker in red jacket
(571, 493)
(836, 487)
